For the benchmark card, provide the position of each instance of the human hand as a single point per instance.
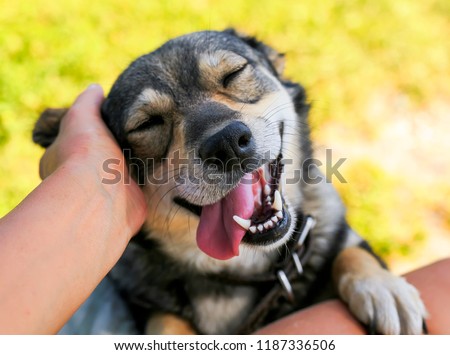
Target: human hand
(83, 144)
(82, 135)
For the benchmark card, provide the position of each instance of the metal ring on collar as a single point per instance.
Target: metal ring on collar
(287, 287)
(309, 224)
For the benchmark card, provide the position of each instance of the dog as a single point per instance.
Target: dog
(242, 227)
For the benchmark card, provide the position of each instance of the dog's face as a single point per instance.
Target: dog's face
(213, 133)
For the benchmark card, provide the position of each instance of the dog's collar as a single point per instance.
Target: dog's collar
(288, 270)
(279, 279)
(298, 253)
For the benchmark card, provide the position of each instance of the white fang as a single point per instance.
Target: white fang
(244, 223)
(277, 202)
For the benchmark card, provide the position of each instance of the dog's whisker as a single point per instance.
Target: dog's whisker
(169, 222)
(162, 198)
(272, 105)
(275, 111)
(287, 125)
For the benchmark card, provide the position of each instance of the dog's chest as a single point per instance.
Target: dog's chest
(150, 279)
(222, 309)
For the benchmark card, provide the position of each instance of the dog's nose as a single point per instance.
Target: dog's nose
(231, 147)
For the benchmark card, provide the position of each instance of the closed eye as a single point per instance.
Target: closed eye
(151, 122)
(228, 78)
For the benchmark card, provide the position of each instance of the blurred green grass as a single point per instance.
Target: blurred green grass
(342, 51)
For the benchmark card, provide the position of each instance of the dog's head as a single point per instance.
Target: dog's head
(209, 124)
(211, 131)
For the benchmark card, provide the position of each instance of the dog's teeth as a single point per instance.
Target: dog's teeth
(267, 190)
(279, 214)
(277, 202)
(244, 223)
(274, 219)
(260, 227)
(268, 224)
(252, 229)
(268, 198)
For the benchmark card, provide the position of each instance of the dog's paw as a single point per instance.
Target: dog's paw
(386, 303)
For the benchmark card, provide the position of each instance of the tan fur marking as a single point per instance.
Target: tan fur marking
(149, 102)
(213, 65)
(237, 106)
(168, 324)
(354, 261)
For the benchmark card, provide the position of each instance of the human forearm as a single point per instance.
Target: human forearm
(56, 246)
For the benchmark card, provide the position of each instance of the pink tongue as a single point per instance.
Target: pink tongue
(218, 235)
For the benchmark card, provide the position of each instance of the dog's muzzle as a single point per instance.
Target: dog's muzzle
(254, 212)
(253, 209)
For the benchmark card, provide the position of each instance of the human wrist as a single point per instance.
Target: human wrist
(92, 218)
(110, 185)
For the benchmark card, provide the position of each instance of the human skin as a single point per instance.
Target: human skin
(333, 317)
(64, 237)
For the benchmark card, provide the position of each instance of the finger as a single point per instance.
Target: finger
(85, 107)
(90, 99)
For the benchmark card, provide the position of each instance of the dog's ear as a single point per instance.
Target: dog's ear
(275, 60)
(47, 126)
